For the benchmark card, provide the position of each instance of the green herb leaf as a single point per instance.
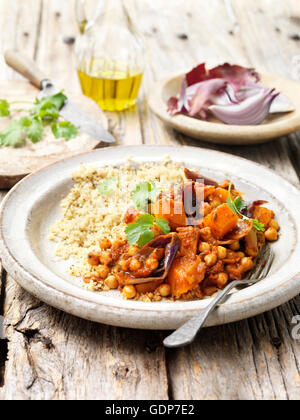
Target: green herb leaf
(4, 108)
(108, 185)
(139, 233)
(54, 103)
(33, 128)
(258, 226)
(143, 195)
(145, 238)
(44, 112)
(14, 135)
(163, 225)
(238, 205)
(64, 130)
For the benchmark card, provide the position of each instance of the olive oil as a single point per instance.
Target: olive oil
(113, 91)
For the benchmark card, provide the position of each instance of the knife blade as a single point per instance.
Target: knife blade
(73, 113)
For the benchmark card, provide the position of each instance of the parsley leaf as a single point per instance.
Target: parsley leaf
(4, 108)
(108, 185)
(140, 233)
(44, 112)
(49, 105)
(258, 226)
(14, 135)
(238, 205)
(33, 128)
(143, 195)
(64, 130)
(163, 225)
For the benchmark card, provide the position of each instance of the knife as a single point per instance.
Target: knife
(70, 111)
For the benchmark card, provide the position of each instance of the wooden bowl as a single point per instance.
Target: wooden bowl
(275, 125)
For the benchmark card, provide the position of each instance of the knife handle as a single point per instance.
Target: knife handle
(25, 67)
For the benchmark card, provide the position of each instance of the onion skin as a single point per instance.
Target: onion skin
(196, 177)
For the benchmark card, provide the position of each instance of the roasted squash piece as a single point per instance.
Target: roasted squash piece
(263, 215)
(185, 274)
(221, 221)
(172, 211)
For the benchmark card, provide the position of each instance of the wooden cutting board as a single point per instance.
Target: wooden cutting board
(15, 164)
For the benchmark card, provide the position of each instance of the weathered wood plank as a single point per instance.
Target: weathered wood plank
(56, 356)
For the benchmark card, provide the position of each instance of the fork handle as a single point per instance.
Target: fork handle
(186, 334)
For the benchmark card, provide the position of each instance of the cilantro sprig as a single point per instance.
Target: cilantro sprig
(140, 233)
(143, 194)
(44, 112)
(64, 130)
(238, 205)
(108, 185)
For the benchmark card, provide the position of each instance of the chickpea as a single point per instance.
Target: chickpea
(111, 282)
(274, 224)
(222, 280)
(235, 246)
(205, 234)
(271, 234)
(152, 263)
(135, 264)
(164, 290)
(102, 271)
(247, 264)
(222, 252)
(132, 251)
(204, 247)
(106, 258)
(129, 292)
(210, 259)
(124, 264)
(105, 244)
(158, 253)
(93, 259)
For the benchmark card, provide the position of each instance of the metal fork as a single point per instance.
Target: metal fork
(186, 334)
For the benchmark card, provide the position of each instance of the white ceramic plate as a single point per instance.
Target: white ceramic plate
(33, 205)
(216, 132)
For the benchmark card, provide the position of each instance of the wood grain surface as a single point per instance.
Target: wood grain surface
(51, 355)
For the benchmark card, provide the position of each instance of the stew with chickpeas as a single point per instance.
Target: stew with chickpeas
(203, 236)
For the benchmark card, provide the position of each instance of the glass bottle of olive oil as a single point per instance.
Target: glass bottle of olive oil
(110, 55)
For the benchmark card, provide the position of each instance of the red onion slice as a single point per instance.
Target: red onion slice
(252, 111)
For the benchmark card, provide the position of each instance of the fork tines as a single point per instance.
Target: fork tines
(263, 264)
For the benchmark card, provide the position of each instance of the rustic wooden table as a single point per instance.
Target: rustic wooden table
(52, 355)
